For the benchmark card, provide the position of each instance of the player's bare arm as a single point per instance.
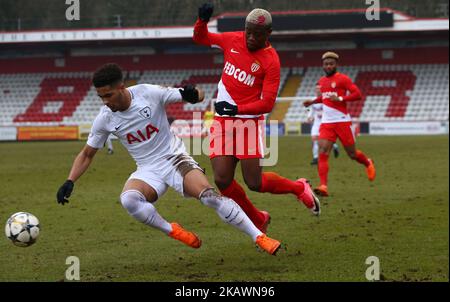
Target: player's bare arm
(80, 165)
(82, 162)
(308, 103)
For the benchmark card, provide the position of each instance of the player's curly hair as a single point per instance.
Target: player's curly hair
(330, 55)
(108, 74)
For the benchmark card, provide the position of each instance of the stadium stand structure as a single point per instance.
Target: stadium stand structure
(390, 92)
(105, 13)
(397, 85)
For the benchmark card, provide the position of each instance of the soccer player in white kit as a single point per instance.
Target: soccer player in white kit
(136, 115)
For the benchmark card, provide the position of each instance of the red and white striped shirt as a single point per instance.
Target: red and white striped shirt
(249, 79)
(338, 85)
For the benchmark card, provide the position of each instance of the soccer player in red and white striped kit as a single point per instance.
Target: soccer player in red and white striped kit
(336, 121)
(247, 90)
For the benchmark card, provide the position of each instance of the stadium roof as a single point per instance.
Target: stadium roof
(402, 23)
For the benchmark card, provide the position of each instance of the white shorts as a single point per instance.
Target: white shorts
(315, 129)
(167, 173)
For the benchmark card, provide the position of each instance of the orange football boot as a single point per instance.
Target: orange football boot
(184, 236)
(370, 170)
(268, 244)
(321, 190)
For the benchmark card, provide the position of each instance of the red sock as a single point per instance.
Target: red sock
(323, 168)
(273, 183)
(362, 158)
(237, 193)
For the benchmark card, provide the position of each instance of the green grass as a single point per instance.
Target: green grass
(402, 218)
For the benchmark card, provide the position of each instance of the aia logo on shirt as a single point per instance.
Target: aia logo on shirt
(145, 112)
(142, 136)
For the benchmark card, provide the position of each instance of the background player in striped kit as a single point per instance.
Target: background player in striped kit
(315, 118)
(336, 121)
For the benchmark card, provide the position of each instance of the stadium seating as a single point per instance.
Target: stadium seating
(206, 79)
(35, 91)
(53, 98)
(390, 92)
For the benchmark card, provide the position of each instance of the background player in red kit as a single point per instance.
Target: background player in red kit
(247, 90)
(336, 122)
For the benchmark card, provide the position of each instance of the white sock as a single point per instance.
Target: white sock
(335, 146)
(315, 149)
(142, 210)
(230, 212)
(109, 143)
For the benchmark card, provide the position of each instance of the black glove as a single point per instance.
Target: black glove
(205, 11)
(189, 93)
(64, 192)
(224, 108)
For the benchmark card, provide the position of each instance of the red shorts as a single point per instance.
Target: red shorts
(242, 138)
(342, 130)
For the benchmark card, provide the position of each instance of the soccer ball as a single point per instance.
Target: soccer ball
(22, 229)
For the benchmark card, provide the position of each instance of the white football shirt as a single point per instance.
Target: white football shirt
(316, 113)
(143, 128)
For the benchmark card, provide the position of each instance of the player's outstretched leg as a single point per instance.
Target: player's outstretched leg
(231, 213)
(315, 151)
(361, 158)
(142, 210)
(224, 167)
(273, 183)
(322, 168)
(235, 192)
